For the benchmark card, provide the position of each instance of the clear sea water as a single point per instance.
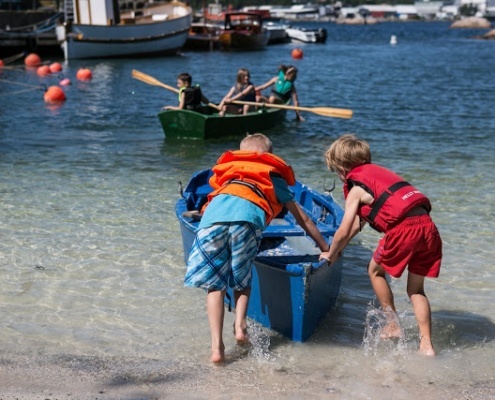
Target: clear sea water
(91, 261)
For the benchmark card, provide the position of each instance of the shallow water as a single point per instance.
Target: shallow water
(91, 259)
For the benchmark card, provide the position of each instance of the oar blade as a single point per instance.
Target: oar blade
(332, 112)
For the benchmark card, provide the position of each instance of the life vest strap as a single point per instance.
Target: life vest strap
(251, 186)
(378, 204)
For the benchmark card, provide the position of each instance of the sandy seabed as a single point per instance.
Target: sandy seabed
(52, 382)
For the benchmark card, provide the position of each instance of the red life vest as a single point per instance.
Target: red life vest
(246, 174)
(393, 196)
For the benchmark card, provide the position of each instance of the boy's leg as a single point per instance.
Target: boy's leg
(386, 299)
(216, 311)
(241, 299)
(422, 311)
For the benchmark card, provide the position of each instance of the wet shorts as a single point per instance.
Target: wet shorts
(222, 256)
(414, 243)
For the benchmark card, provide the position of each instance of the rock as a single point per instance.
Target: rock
(472, 22)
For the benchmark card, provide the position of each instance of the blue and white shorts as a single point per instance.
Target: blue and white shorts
(222, 256)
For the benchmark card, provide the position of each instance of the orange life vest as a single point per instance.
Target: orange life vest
(246, 174)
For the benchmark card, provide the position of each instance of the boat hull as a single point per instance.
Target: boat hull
(203, 37)
(140, 38)
(244, 40)
(291, 290)
(303, 35)
(207, 124)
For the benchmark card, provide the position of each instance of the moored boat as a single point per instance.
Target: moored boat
(291, 290)
(205, 123)
(278, 33)
(243, 31)
(99, 30)
(203, 36)
(306, 35)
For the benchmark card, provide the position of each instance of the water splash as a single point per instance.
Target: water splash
(260, 343)
(376, 321)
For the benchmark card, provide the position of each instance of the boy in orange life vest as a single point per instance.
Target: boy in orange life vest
(378, 196)
(190, 97)
(250, 188)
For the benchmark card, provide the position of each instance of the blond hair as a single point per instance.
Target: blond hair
(257, 142)
(347, 152)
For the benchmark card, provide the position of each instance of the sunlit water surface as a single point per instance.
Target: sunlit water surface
(91, 259)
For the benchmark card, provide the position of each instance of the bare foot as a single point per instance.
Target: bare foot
(391, 331)
(426, 348)
(218, 355)
(241, 335)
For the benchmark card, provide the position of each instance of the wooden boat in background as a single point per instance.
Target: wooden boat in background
(205, 123)
(203, 36)
(291, 290)
(243, 31)
(97, 29)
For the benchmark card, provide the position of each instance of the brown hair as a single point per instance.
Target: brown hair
(185, 77)
(347, 152)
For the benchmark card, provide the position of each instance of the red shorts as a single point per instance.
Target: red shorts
(414, 243)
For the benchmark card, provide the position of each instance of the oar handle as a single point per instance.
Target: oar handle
(324, 111)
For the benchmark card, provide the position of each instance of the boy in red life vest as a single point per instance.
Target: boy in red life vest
(392, 206)
(251, 186)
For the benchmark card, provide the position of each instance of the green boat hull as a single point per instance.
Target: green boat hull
(207, 124)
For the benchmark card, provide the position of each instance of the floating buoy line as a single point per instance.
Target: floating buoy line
(53, 94)
(32, 87)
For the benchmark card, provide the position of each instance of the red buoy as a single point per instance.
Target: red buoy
(55, 67)
(297, 54)
(44, 70)
(54, 94)
(32, 60)
(84, 74)
(1, 63)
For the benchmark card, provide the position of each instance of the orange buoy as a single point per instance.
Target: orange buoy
(32, 60)
(44, 70)
(84, 74)
(297, 54)
(55, 67)
(64, 82)
(54, 94)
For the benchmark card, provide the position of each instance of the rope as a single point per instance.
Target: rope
(19, 83)
(19, 91)
(10, 59)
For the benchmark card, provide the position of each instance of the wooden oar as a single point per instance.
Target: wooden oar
(141, 76)
(324, 111)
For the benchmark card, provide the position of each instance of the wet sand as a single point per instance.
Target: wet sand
(103, 380)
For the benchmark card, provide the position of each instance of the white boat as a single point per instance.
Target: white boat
(277, 31)
(97, 29)
(304, 35)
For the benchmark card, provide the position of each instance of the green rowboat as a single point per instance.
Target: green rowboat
(205, 123)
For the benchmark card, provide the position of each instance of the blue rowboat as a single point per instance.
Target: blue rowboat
(291, 290)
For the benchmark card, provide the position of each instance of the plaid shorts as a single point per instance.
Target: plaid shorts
(222, 255)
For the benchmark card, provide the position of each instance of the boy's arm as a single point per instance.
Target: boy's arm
(350, 226)
(307, 224)
(181, 103)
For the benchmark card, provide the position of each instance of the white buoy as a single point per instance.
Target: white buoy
(393, 40)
